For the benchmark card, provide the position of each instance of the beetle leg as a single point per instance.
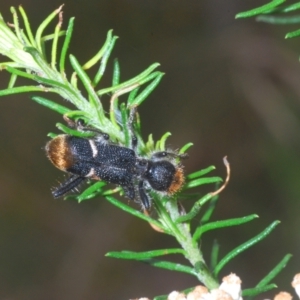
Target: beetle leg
(143, 196)
(67, 186)
(129, 191)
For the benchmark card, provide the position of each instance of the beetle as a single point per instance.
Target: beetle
(98, 158)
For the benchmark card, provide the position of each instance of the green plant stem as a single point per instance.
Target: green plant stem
(191, 248)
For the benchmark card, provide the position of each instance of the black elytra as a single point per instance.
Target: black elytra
(111, 163)
(99, 159)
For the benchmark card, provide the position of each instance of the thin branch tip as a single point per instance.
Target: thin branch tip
(225, 161)
(227, 165)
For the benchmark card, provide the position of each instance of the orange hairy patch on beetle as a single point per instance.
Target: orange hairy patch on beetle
(59, 152)
(177, 182)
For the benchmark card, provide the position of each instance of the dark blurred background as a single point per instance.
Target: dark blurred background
(231, 87)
